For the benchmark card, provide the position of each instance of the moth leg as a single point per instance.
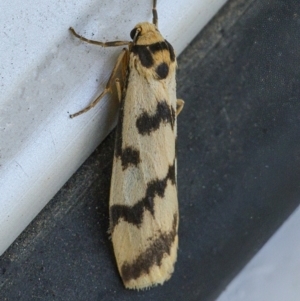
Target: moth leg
(119, 89)
(123, 75)
(103, 44)
(179, 106)
(108, 87)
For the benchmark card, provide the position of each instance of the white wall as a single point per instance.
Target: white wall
(46, 74)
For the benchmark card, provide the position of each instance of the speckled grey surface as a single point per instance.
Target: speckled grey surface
(238, 171)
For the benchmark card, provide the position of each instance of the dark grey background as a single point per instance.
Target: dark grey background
(238, 171)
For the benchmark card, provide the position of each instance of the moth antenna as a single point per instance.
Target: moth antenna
(154, 12)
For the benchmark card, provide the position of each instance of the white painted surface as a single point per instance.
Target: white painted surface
(45, 74)
(274, 273)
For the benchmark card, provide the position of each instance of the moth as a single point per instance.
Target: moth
(143, 204)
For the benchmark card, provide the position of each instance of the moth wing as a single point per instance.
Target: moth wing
(143, 197)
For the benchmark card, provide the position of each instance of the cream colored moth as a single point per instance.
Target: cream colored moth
(143, 195)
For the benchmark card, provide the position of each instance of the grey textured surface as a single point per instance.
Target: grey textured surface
(238, 171)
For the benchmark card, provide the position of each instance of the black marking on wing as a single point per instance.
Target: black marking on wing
(172, 173)
(145, 52)
(171, 50)
(129, 155)
(146, 123)
(173, 114)
(152, 256)
(119, 140)
(159, 46)
(162, 70)
(134, 214)
(144, 55)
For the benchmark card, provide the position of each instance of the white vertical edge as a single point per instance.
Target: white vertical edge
(45, 74)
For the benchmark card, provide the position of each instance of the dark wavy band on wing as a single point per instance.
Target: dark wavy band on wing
(153, 255)
(147, 123)
(134, 214)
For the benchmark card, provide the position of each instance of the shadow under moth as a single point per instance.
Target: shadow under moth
(143, 204)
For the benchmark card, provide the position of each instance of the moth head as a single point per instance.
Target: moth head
(145, 34)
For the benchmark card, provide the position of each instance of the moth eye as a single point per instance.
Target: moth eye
(134, 32)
